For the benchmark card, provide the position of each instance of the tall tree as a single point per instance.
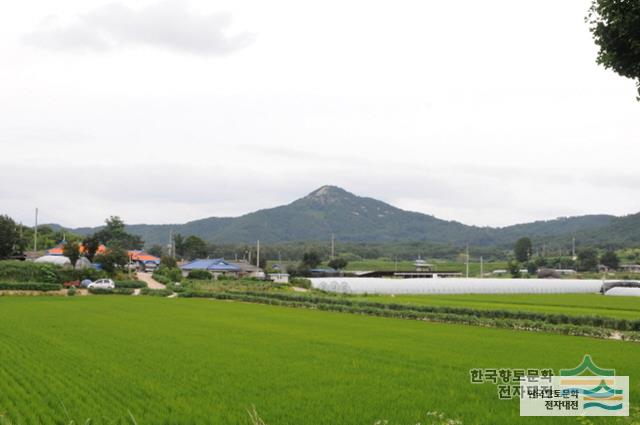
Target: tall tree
(114, 234)
(72, 251)
(522, 250)
(178, 245)
(113, 259)
(91, 244)
(615, 25)
(194, 247)
(338, 263)
(587, 260)
(311, 259)
(610, 259)
(156, 250)
(10, 242)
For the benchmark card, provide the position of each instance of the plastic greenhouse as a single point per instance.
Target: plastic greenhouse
(625, 292)
(455, 286)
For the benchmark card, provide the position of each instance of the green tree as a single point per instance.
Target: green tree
(156, 250)
(10, 242)
(615, 26)
(91, 244)
(610, 259)
(522, 249)
(72, 251)
(514, 268)
(113, 259)
(338, 263)
(168, 261)
(587, 260)
(311, 259)
(178, 245)
(114, 234)
(194, 247)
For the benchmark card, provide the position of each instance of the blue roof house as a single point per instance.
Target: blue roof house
(215, 266)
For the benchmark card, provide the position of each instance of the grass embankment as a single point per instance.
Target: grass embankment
(193, 361)
(570, 304)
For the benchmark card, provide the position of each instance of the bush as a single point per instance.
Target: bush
(156, 292)
(116, 291)
(28, 271)
(30, 286)
(130, 284)
(200, 274)
(227, 277)
(301, 282)
(174, 274)
(162, 279)
(71, 291)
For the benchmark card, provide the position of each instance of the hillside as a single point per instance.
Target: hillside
(352, 218)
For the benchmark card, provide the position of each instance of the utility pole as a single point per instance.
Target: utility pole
(333, 246)
(258, 254)
(573, 247)
(467, 260)
(35, 233)
(481, 267)
(171, 249)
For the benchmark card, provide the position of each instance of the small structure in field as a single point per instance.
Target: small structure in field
(630, 268)
(279, 277)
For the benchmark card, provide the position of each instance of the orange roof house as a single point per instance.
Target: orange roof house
(59, 250)
(142, 256)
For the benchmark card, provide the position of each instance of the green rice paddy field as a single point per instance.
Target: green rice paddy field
(570, 304)
(196, 361)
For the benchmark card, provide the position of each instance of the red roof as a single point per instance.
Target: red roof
(142, 256)
(59, 250)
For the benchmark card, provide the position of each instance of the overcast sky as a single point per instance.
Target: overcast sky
(490, 113)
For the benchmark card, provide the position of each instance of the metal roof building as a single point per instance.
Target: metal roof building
(212, 265)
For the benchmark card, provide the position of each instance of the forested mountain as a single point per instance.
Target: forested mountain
(332, 210)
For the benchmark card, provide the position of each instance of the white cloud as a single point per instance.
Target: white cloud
(168, 24)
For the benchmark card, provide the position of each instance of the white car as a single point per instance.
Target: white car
(102, 284)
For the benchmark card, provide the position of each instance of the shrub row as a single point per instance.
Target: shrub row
(199, 274)
(29, 286)
(551, 318)
(130, 284)
(162, 279)
(156, 292)
(29, 271)
(408, 312)
(116, 291)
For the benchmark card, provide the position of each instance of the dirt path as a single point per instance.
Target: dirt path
(150, 281)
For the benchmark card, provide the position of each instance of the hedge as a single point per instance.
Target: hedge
(116, 291)
(130, 284)
(199, 274)
(29, 286)
(162, 279)
(156, 292)
(28, 271)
